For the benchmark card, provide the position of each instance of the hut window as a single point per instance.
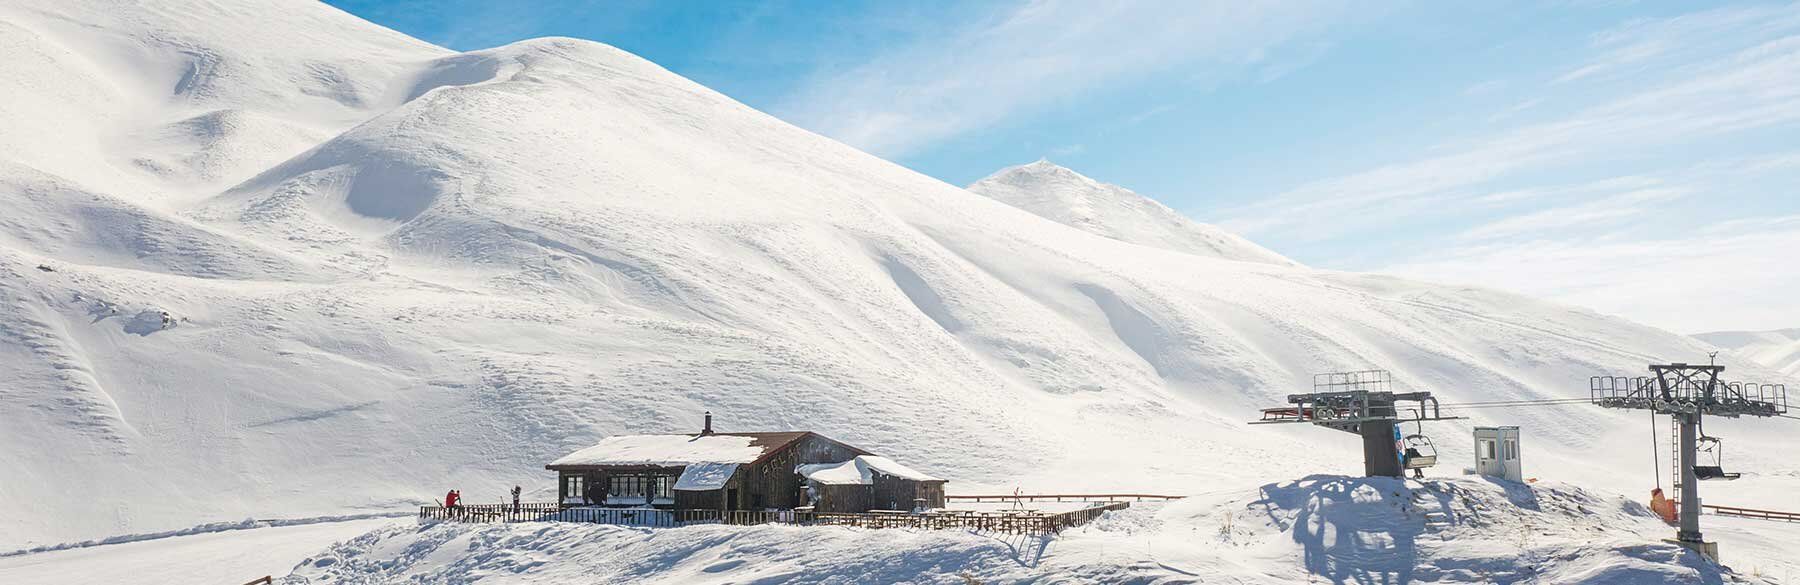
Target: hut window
(621, 486)
(572, 487)
(638, 486)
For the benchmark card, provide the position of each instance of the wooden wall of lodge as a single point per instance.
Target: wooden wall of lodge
(888, 493)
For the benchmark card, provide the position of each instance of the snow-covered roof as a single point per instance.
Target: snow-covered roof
(859, 471)
(701, 477)
(666, 450)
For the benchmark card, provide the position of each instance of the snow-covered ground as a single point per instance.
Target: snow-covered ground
(1779, 349)
(1321, 528)
(221, 556)
(347, 271)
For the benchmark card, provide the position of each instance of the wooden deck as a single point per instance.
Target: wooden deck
(1006, 522)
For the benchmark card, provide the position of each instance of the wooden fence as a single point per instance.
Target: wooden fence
(1752, 513)
(1009, 522)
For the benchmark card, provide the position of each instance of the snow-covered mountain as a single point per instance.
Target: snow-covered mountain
(1779, 349)
(1064, 196)
(389, 269)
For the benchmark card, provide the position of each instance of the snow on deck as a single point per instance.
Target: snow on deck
(859, 471)
(664, 450)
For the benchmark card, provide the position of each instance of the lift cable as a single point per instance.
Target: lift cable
(1516, 401)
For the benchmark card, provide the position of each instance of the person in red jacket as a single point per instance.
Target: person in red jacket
(450, 501)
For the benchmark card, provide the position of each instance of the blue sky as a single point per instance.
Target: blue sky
(1641, 159)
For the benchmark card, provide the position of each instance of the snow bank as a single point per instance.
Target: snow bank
(1381, 530)
(665, 450)
(696, 555)
(1318, 529)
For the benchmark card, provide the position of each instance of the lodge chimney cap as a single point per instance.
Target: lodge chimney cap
(708, 429)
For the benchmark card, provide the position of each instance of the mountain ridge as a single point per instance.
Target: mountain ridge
(1070, 198)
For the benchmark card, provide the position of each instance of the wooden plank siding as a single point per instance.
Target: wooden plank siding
(771, 481)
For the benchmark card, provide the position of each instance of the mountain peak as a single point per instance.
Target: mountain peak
(1061, 194)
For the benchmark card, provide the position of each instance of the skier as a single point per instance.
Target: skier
(515, 494)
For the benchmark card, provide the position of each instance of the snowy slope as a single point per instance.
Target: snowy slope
(1069, 198)
(1779, 349)
(398, 269)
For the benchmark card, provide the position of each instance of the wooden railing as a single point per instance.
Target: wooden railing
(490, 512)
(1009, 522)
(1752, 513)
(1063, 498)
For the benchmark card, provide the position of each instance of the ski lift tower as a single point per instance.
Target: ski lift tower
(1361, 403)
(1686, 393)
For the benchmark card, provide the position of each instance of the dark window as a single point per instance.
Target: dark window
(636, 487)
(572, 486)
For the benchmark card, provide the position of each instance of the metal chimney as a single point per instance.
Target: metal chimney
(708, 430)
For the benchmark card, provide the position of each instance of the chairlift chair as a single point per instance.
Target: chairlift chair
(1420, 452)
(1715, 448)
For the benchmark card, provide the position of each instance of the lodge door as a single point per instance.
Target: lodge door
(731, 502)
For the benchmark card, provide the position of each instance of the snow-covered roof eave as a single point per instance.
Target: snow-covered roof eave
(661, 451)
(861, 471)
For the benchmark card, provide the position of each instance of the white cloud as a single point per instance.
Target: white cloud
(1736, 274)
(1038, 53)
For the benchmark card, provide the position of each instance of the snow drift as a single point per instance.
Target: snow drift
(392, 269)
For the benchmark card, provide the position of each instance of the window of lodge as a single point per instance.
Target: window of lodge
(573, 487)
(633, 487)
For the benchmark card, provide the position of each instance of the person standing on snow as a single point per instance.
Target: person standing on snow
(450, 502)
(515, 494)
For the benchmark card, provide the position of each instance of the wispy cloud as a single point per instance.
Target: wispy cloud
(1589, 215)
(1735, 274)
(1753, 87)
(1028, 56)
(1644, 202)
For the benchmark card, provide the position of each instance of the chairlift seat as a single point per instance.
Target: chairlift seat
(1706, 472)
(1421, 461)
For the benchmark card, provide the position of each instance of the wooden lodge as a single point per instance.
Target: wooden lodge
(796, 470)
